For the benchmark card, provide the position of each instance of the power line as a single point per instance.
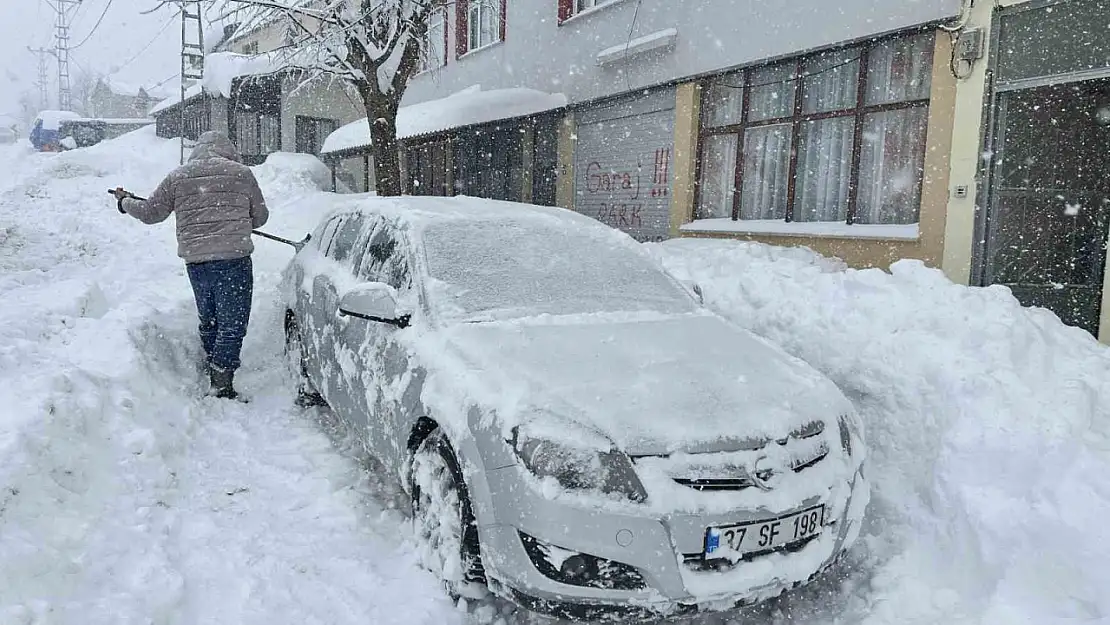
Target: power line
(149, 43)
(95, 27)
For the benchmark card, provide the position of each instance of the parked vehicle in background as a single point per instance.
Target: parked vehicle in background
(8, 134)
(45, 132)
(574, 428)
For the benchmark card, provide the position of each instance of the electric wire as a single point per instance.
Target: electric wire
(149, 43)
(95, 26)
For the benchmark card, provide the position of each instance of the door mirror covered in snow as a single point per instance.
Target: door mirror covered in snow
(374, 301)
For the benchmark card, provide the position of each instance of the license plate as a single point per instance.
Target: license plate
(744, 538)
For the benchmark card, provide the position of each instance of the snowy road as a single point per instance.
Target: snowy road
(127, 498)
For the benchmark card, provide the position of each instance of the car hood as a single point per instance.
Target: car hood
(692, 383)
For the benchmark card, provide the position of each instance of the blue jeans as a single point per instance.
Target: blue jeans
(223, 290)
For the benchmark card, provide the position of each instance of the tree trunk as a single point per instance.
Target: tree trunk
(382, 114)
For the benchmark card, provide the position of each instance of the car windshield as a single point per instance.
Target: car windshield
(498, 270)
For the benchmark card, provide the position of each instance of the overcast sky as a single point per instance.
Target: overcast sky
(134, 45)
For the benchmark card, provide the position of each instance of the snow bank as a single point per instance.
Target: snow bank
(125, 497)
(285, 173)
(989, 427)
(466, 107)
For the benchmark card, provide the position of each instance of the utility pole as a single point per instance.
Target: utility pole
(61, 50)
(192, 59)
(44, 90)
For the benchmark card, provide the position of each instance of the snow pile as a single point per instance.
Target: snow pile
(466, 107)
(284, 173)
(988, 425)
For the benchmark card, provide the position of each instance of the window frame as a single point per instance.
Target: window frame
(797, 120)
(570, 8)
(443, 55)
(463, 20)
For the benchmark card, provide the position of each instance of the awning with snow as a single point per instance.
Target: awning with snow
(464, 108)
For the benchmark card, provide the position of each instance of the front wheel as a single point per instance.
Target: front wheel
(444, 528)
(307, 395)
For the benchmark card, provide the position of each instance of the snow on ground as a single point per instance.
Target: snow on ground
(127, 498)
(124, 496)
(989, 426)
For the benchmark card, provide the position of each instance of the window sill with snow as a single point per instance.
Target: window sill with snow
(819, 229)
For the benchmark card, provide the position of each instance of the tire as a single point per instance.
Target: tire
(443, 524)
(307, 395)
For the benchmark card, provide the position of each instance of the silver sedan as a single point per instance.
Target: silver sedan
(578, 433)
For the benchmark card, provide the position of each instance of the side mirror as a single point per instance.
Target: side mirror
(375, 302)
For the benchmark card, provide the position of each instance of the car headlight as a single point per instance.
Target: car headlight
(582, 469)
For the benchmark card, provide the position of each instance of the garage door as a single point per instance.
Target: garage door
(623, 164)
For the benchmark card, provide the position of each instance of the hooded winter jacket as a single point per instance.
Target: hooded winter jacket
(216, 199)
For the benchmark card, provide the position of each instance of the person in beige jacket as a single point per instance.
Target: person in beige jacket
(217, 202)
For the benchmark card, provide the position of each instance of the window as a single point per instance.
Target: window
(837, 136)
(481, 23)
(345, 239)
(250, 48)
(435, 49)
(311, 133)
(327, 232)
(384, 259)
(570, 8)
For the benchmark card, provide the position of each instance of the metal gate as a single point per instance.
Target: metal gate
(1044, 232)
(623, 164)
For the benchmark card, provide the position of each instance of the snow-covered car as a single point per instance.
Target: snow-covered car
(575, 429)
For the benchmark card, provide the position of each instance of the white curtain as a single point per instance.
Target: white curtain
(830, 82)
(900, 70)
(824, 170)
(766, 172)
(891, 167)
(724, 104)
(718, 171)
(772, 92)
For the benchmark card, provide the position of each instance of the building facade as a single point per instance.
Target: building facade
(868, 131)
(266, 108)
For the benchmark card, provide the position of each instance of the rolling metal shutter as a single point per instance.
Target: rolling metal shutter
(623, 164)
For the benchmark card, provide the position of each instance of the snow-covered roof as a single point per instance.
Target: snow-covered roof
(174, 100)
(222, 68)
(123, 87)
(464, 108)
(51, 120)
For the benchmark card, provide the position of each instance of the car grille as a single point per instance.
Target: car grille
(736, 478)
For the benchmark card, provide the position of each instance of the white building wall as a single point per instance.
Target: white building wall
(541, 54)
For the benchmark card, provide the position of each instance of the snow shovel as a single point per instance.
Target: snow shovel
(297, 245)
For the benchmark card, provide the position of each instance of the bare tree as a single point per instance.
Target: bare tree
(375, 45)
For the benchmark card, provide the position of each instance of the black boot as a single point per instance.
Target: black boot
(222, 382)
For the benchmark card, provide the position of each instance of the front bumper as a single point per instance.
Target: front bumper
(663, 549)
